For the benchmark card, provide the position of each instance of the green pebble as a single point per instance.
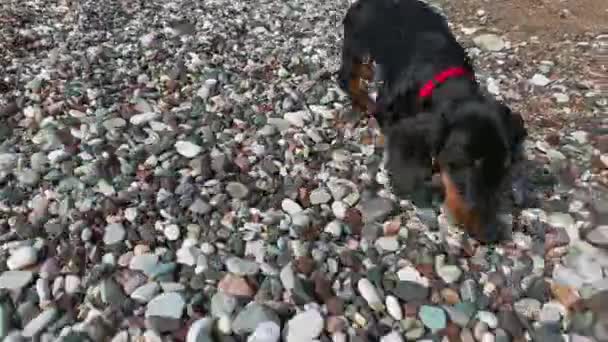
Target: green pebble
(433, 317)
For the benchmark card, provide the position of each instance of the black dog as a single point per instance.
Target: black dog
(430, 109)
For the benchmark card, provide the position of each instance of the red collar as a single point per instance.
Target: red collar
(427, 89)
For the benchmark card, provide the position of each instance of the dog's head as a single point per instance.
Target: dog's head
(472, 143)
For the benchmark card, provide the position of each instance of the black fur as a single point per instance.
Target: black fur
(472, 136)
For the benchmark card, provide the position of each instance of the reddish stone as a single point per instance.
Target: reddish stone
(410, 309)
(304, 197)
(354, 219)
(452, 332)
(335, 324)
(568, 296)
(552, 139)
(236, 286)
(335, 306)
(426, 270)
(601, 143)
(392, 228)
(450, 296)
(305, 265)
(322, 286)
(349, 259)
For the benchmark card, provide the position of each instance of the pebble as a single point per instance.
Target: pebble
(143, 118)
(146, 293)
(251, 316)
(40, 322)
(72, 284)
(409, 273)
(236, 286)
(114, 233)
(298, 118)
(598, 236)
(479, 330)
(242, 267)
(369, 292)
(457, 314)
(188, 149)
(393, 307)
(540, 80)
(15, 280)
(201, 330)
(489, 42)
(449, 273)
(551, 313)
(466, 335)
(334, 228)
(409, 291)
(22, 257)
(224, 325)
(172, 232)
(433, 317)
(222, 304)
(291, 207)
(265, 332)
(168, 305)
(237, 190)
(561, 98)
(567, 276)
(487, 337)
(304, 326)
(145, 262)
(376, 209)
(528, 307)
(319, 196)
(393, 336)
(488, 318)
(387, 243)
(28, 177)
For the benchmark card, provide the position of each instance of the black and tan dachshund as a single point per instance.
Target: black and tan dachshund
(430, 109)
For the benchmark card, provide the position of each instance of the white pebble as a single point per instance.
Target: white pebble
(305, 326)
(449, 273)
(488, 318)
(409, 273)
(387, 243)
(22, 257)
(265, 332)
(58, 286)
(172, 232)
(187, 149)
(540, 80)
(393, 307)
(200, 330)
(339, 209)
(72, 284)
(370, 294)
(338, 337)
(488, 337)
(43, 290)
(393, 336)
(224, 325)
(334, 228)
(290, 206)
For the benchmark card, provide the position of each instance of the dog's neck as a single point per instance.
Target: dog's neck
(453, 90)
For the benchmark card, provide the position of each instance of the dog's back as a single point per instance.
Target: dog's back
(399, 33)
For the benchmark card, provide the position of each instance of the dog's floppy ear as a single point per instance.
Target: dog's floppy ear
(411, 144)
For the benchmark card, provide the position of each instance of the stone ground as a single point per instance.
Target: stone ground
(184, 171)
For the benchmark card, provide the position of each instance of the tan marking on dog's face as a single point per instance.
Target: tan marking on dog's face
(458, 208)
